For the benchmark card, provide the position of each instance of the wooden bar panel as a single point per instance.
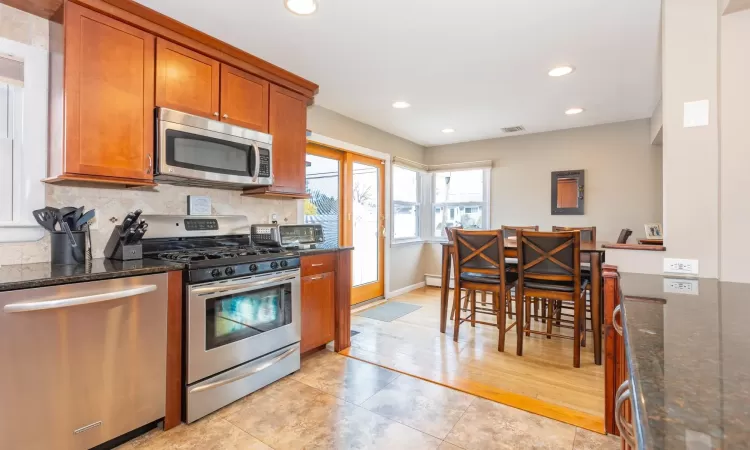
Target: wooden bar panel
(612, 344)
(343, 333)
(173, 416)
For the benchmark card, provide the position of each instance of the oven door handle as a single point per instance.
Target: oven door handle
(252, 370)
(256, 153)
(233, 287)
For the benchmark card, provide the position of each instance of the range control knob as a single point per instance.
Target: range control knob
(284, 263)
(229, 271)
(274, 265)
(253, 267)
(216, 273)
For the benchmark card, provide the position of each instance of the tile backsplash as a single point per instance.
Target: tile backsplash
(115, 203)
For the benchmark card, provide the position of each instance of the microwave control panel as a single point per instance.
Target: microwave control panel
(265, 163)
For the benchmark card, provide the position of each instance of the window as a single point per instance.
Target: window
(460, 198)
(322, 183)
(23, 139)
(406, 204)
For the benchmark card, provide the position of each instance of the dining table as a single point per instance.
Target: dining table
(595, 253)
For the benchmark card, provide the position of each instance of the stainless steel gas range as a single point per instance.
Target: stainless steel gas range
(242, 307)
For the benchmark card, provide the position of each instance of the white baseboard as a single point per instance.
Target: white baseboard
(435, 280)
(404, 290)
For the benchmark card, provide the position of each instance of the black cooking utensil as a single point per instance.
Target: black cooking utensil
(86, 218)
(46, 217)
(76, 216)
(67, 231)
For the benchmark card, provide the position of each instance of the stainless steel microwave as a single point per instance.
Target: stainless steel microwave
(193, 150)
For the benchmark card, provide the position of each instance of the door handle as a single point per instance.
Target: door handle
(226, 116)
(256, 152)
(216, 114)
(150, 164)
(77, 301)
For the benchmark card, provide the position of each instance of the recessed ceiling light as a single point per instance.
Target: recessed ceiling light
(560, 71)
(301, 7)
(572, 111)
(400, 105)
(448, 130)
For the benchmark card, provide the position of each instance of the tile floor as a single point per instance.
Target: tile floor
(336, 402)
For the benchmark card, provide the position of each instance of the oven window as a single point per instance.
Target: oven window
(234, 317)
(193, 151)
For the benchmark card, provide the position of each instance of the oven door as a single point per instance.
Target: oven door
(191, 153)
(235, 321)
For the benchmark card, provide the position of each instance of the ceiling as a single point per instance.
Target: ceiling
(475, 68)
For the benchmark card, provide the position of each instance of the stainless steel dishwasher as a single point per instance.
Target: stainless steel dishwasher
(82, 363)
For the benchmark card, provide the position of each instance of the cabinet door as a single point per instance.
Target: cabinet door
(244, 99)
(186, 81)
(288, 124)
(109, 96)
(317, 310)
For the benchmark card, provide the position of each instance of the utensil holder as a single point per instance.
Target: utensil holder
(116, 247)
(63, 252)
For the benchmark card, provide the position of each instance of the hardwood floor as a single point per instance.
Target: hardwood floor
(542, 381)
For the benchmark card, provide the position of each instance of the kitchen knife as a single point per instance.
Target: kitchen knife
(130, 220)
(139, 232)
(128, 236)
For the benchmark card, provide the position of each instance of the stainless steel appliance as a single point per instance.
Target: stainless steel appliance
(288, 236)
(193, 150)
(242, 307)
(81, 364)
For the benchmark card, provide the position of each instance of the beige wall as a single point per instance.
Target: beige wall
(735, 146)
(406, 259)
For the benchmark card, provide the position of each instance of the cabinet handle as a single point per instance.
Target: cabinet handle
(615, 313)
(626, 430)
(317, 264)
(150, 164)
(216, 114)
(226, 116)
(319, 277)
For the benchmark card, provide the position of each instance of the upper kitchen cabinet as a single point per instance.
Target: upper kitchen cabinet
(244, 99)
(186, 81)
(287, 123)
(102, 99)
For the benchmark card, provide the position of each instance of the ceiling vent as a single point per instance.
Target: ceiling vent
(513, 129)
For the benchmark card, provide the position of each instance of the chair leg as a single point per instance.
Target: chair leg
(484, 298)
(536, 310)
(519, 324)
(577, 332)
(453, 307)
(473, 303)
(544, 310)
(456, 310)
(558, 315)
(549, 319)
(527, 315)
(501, 298)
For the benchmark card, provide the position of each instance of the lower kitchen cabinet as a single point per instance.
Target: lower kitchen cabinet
(318, 323)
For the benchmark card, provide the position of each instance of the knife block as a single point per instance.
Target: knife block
(116, 247)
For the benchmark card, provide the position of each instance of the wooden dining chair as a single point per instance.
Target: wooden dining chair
(479, 265)
(588, 235)
(549, 267)
(511, 232)
(462, 297)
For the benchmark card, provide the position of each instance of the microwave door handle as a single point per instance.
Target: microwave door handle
(256, 152)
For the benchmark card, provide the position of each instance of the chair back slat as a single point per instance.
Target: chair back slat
(449, 231)
(513, 231)
(479, 251)
(588, 234)
(549, 256)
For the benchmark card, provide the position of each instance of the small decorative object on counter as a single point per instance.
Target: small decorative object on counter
(124, 243)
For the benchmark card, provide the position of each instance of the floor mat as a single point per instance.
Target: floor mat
(389, 312)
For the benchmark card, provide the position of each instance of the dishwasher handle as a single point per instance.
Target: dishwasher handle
(77, 301)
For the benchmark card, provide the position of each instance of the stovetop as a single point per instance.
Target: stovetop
(221, 254)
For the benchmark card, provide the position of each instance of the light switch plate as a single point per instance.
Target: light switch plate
(681, 266)
(696, 114)
(681, 286)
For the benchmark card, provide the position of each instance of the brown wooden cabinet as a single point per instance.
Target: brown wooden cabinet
(106, 128)
(244, 99)
(186, 80)
(318, 311)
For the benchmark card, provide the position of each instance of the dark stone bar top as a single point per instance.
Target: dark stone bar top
(25, 276)
(689, 361)
(316, 251)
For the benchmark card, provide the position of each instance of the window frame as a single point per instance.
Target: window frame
(418, 238)
(484, 204)
(29, 144)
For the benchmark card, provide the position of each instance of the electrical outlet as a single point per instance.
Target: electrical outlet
(273, 218)
(680, 286)
(683, 266)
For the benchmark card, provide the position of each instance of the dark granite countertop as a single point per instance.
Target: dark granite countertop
(689, 363)
(24, 276)
(315, 251)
